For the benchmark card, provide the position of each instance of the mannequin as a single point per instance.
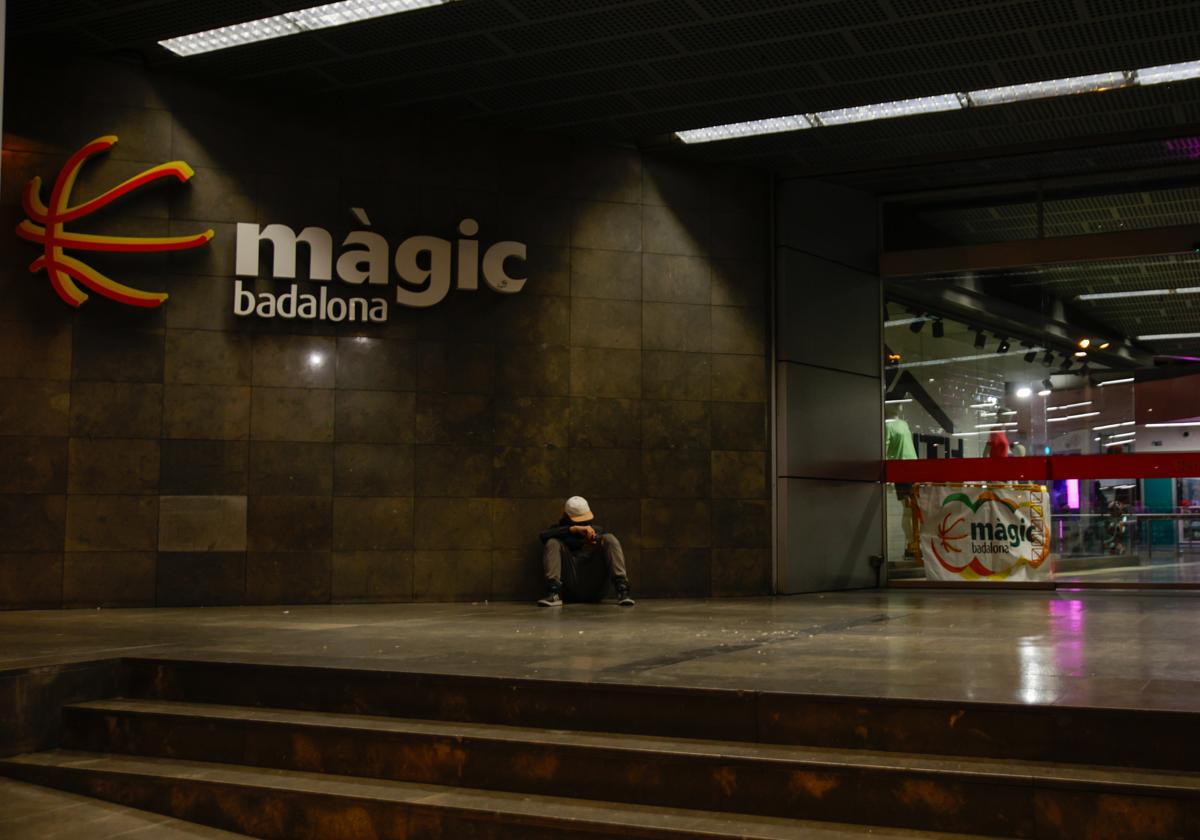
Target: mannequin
(899, 446)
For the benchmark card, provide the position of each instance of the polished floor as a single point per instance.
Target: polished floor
(1110, 649)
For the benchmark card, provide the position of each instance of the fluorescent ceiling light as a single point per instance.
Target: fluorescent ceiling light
(900, 322)
(989, 404)
(1048, 90)
(773, 125)
(1071, 417)
(1167, 336)
(958, 100)
(1168, 73)
(1186, 290)
(1121, 435)
(888, 110)
(1115, 381)
(1117, 443)
(291, 23)
(994, 425)
(898, 402)
(1068, 405)
(1111, 426)
(1170, 425)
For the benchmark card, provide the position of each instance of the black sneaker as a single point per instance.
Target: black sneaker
(624, 599)
(550, 599)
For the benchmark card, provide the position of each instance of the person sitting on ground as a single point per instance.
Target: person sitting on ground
(579, 557)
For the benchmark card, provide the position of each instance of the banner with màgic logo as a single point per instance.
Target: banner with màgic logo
(984, 532)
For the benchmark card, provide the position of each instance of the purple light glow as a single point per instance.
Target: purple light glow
(1073, 493)
(1188, 147)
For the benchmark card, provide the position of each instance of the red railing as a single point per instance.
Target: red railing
(1047, 468)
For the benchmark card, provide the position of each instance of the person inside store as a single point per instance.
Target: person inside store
(898, 445)
(579, 559)
(997, 445)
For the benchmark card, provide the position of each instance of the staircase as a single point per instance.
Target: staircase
(281, 751)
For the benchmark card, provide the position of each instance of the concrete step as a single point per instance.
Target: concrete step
(1109, 737)
(291, 805)
(1001, 797)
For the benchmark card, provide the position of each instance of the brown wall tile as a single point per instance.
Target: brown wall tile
(453, 471)
(294, 361)
(739, 425)
(675, 573)
(451, 523)
(299, 414)
(741, 523)
(376, 364)
(682, 327)
(34, 407)
(108, 579)
(372, 577)
(452, 575)
(516, 523)
(35, 350)
(290, 469)
(195, 467)
(534, 370)
(606, 473)
(219, 412)
(741, 571)
(207, 357)
(675, 473)
(606, 323)
(105, 465)
(30, 581)
(372, 524)
(676, 230)
(677, 376)
(201, 579)
(202, 523)
(606, 373)
(608, 225)
(738, 330)
(464, 419)
(605, 423)
(531, 421)
(116, 409)
(117, 355)
(739, 378)
(372, 469)
(614, 275)
(374, 416)
(739, 475)
(288, 577)
(676, 279)
(33, 465)
(516, 575)
(112, 523)
(530, 471)
(288, 523)
(532, 319)
(32, 522)
(675, 424)
(676, 523)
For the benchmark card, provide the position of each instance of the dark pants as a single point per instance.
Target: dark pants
(584, 575)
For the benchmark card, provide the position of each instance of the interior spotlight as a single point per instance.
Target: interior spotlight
(1024, 392)
(1004, 345)
(1030, 353)
(917, 325)
(1104, 345)
(1048, 359)
(939, 328)
(1085, 343)
(980, 339)
(1080, 354)
(1066, 363)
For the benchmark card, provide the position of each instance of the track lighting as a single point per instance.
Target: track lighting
(939, 328)
(1003, 346)
(980, 339)
(1048, 359)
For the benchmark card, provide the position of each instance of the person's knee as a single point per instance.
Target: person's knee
(554, 543)
(610, 541)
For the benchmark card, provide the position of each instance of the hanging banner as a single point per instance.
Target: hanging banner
(981, 532)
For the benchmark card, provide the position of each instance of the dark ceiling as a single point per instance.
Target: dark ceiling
(634, 71)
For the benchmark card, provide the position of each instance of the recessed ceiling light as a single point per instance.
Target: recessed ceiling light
(956, 101)
(291, 23)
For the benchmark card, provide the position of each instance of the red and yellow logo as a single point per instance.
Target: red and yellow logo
(46, 225)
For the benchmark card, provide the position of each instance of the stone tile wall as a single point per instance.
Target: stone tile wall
(184, 456)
